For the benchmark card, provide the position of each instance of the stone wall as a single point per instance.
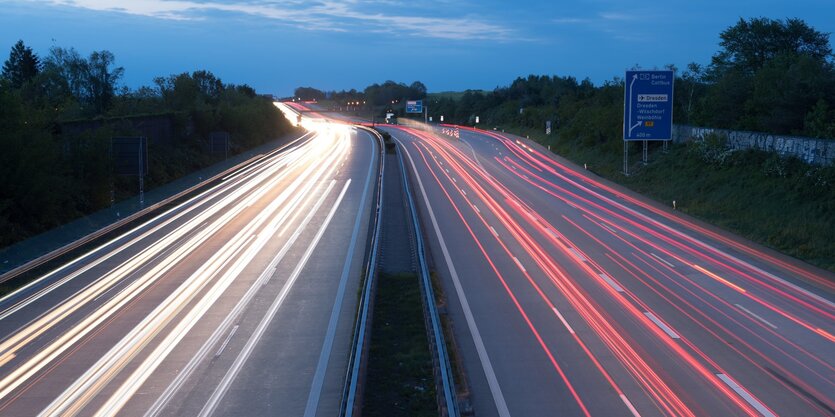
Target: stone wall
(813, 151)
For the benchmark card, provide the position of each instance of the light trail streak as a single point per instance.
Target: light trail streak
(677, 404)
(183, 209)
(233, 315)
(680, 301)
(703, 371)
(592, 315)
(312, 159)
(549, 165)
(731, 398)
(76, 333)
(99, 375)
(563, 194)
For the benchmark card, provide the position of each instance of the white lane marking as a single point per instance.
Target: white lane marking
(662, 325)
(552, 233)
(454, 180)
(494, 231)
(746, 396)
(662, 260)
(489, 373)
(243, 356)
(756, 316)
(463, 191)
(272, 270)
(476, 208)
(55, 314)
(629, 405)
(186, 206)
(578, 255)
(120, 354)
(184, 373)
(611, 282)
(687, 237)
(519, 264)
(226, 342)
(562, 319)
(606, 226)
(327, 347)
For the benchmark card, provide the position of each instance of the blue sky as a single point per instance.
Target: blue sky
(276, 46)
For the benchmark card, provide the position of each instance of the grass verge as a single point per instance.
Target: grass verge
(399, 379)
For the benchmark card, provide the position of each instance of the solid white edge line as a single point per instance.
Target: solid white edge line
(487, 366)
(243, 356)
(746, 396)
(661, 325)
(756, 316)
(327, 346)
(186, 371)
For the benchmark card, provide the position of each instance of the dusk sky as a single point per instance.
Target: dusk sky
(276, 46)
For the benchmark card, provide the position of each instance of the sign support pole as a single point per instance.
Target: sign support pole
(646, 152)
(626, 158)
(141, 177)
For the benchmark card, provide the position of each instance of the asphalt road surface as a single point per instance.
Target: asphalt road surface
(570, 297)
(240, 301)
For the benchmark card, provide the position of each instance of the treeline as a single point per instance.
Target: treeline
(386, 94)
(773, 76)
(59, 112)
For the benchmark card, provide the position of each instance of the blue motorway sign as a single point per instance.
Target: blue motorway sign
(414, 106)
(648, 105)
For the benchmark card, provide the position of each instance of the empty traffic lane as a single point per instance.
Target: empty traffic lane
(570, 296)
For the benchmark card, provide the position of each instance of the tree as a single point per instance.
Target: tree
(309, 93)
(767, 76)
(820, 121)
(69, 71)
(22, 65)
(417, 90)
(750, 44)
(785, 90)
(102, 78)
(209, 85)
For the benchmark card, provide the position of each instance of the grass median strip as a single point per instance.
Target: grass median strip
(400, 380)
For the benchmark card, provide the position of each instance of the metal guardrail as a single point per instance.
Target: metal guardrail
(448, 405)
(92, 237)
(359, 346)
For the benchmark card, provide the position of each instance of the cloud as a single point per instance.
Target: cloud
(374, 16)
(612, 23)
(616, 16)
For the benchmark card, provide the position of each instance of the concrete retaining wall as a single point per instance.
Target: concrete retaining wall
(813, 151)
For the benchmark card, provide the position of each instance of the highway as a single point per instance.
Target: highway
(569, 296)
(239, 301)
